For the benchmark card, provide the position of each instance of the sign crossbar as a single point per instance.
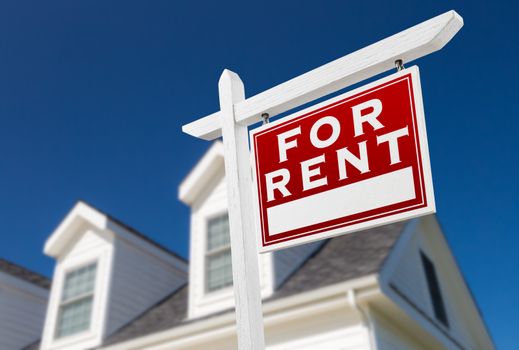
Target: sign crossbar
(408, 45)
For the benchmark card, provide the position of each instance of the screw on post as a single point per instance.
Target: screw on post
(265, 117)
(399, 64)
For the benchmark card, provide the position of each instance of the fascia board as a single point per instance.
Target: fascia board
(274, 311)
(202, 173)
(65, 231)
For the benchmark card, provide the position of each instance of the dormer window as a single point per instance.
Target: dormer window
(75, 308)
(434, 290)
(218, 254)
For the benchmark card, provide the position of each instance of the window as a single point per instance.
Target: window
(434, 290)
(76, 301)
(218, 254)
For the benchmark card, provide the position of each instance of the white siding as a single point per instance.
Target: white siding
(22, 312)
(390, 337)
(409, 279)
(139, 280)
(338, 329)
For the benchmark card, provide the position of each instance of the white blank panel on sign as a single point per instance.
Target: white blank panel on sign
(361, 196)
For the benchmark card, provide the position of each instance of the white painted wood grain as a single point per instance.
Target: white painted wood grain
(249, 316)
(408, 45)
(22, 312)
(138, 281)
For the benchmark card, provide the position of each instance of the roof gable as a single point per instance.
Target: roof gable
(405, 281)
(82, 213)
(65, 234)
(202, 173)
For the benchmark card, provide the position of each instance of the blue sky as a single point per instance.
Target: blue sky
(93, 95)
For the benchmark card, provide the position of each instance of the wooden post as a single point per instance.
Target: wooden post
(245, 269)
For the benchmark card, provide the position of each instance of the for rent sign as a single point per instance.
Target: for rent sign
(353, 162)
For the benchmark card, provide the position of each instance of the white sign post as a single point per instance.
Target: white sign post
(237, 113)
(245, 268)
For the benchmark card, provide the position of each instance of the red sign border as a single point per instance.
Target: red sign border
(426, 206)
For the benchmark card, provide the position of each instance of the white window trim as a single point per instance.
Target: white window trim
(220, 292)
(65, 272)
(103, 253)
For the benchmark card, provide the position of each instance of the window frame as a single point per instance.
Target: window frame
(83, 296)
(209, 253)
(434, 289)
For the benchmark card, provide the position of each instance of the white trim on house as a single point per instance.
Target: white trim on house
(70, 260)
(275, 312)
(366, 297)
(194, 183)
(82, 213)
(66, 230)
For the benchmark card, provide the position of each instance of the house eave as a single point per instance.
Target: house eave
(275, 311)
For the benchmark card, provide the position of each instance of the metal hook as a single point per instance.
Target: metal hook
(265, 117)
(399, 65)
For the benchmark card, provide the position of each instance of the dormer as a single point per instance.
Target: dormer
(106, 274)
(210, 274)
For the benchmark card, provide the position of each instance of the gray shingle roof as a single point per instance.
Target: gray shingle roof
(136, 232)
(24, 274)
(338, 259)
(33, 346)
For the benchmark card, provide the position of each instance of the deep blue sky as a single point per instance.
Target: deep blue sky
(93, 95)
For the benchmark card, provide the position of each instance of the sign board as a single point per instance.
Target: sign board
(353, 162)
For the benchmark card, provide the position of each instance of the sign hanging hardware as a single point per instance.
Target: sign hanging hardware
(265, 117)
(399, 65)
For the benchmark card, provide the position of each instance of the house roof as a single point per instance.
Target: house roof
(339, 259)
(66, 230)
(137, 233)
(24, 274)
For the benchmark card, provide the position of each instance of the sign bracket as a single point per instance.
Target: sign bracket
(399, 65)
(408, 45)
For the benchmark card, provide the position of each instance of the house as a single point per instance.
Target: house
(23, 301)
(389, 288)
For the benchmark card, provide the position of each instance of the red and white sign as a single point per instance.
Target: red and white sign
(353, 162)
